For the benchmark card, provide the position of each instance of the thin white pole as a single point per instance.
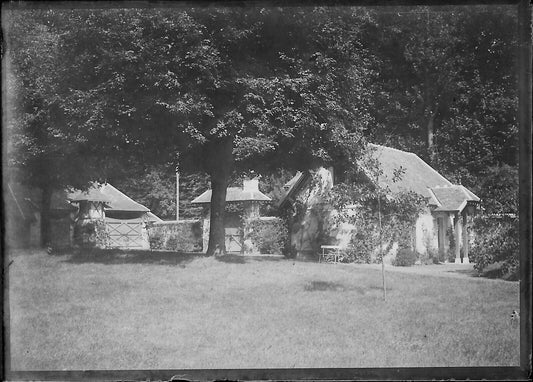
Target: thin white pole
(381, 249)
(177, 194)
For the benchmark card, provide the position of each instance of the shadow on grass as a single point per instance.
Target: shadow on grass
(230, 258)
(243, 259)
(320, 286)
(117, 256)
(323, 286)
(495, 271)
(467, 272)
(499, 273)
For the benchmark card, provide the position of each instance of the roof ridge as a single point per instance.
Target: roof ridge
(468, 193)
(447, 186)
(390, 148)
(435, 197)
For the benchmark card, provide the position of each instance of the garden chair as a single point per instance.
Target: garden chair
(330, 254)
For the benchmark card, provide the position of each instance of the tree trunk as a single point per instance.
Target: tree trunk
(46, 203)
(217, 233)
(219, 163)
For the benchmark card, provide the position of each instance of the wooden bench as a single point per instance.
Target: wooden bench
(330, 253)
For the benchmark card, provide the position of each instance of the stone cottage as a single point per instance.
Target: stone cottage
(448, 211)
(243, 204)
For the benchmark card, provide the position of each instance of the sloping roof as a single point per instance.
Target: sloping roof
(293, 186)
(149, 216)
(112, 197)
(453, 198)
(416, 176)
(292, 181)
(93, 194)
(153, 217)
(234, 194)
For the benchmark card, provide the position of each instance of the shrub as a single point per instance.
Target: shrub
(430, 256)
(91, 234)
(433, 257)
(268, 236)
(359, 249)
(451, 246)
(172, 243)
(497, 241)
(405, 257)
(183, 236)
(156, 241)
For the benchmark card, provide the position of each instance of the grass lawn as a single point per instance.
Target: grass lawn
(163, 310)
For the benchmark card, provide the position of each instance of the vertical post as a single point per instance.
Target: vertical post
(441, 233)
(177, 186)
(381, 249)
(465, 238)
(457, 234)
(177, 194)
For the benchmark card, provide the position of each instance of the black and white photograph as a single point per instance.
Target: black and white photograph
(194, 190)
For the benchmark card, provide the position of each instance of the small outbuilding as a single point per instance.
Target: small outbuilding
(243, 204)
(124, 219)
(102, 216)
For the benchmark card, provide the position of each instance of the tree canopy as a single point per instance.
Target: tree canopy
(100, 94)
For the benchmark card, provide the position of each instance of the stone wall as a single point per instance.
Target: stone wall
(183, 235)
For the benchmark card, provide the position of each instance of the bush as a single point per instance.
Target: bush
(91, 234)
(434, 257)
(183, 236)
(497, 241)
(156, 241)
(172, 243)
(405, 257)
(451, 246)
(268, 236)
(359, 249)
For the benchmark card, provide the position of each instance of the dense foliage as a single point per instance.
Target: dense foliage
(379, 216)
(111, 94)
(498, 242)
(268, 236)
(405, 257)
(184, 237)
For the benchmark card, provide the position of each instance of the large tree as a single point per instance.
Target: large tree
(44, 149)
(229, 88)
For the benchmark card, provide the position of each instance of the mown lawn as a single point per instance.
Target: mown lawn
(164, 310)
